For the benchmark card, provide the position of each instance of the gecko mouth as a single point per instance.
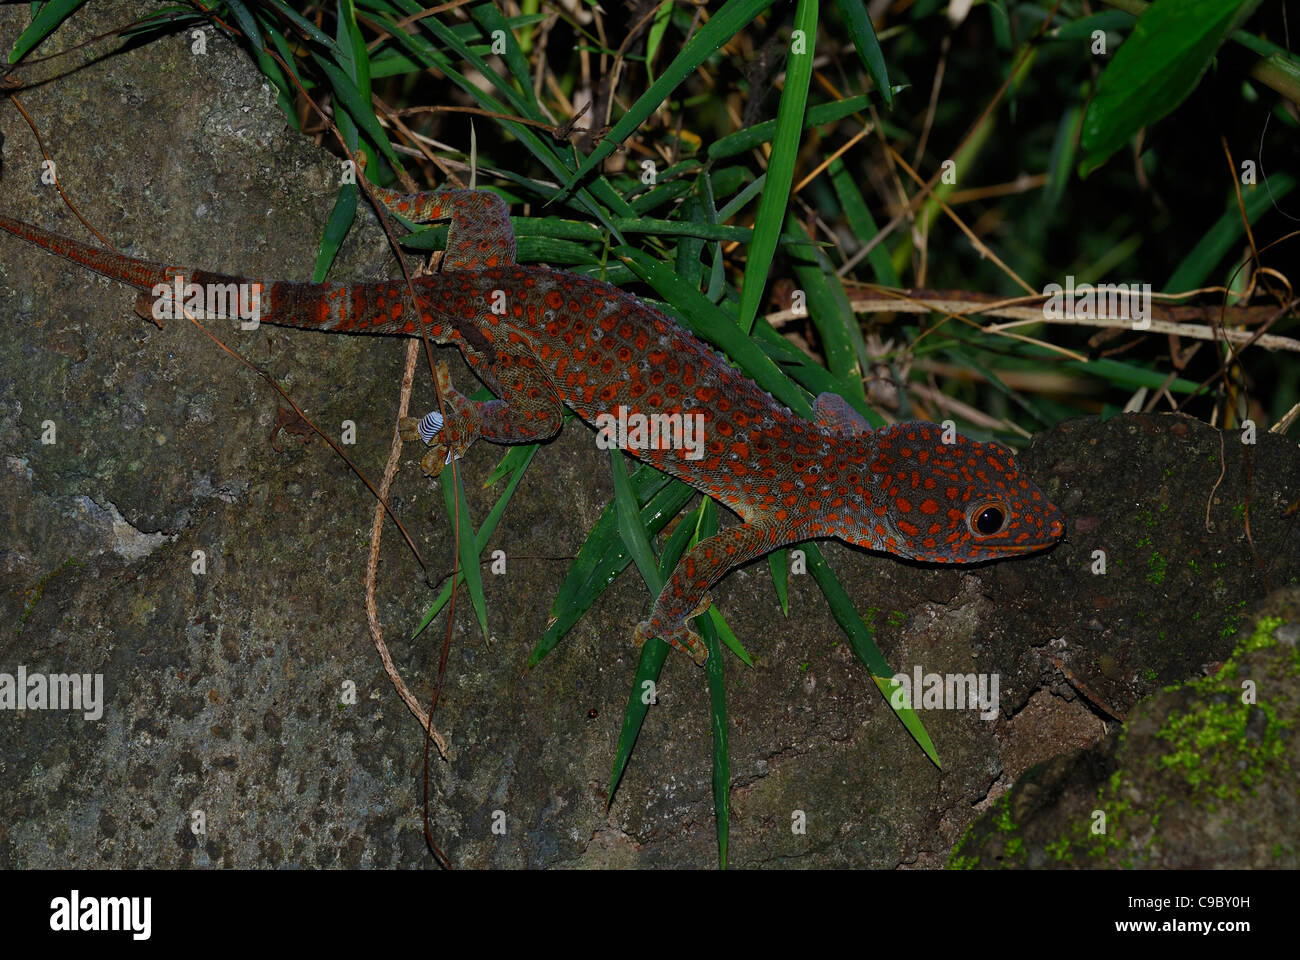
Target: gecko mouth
(1053, 534)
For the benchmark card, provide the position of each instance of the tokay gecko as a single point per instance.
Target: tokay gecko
(541, 338)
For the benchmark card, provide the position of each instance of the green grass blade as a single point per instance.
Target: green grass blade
(307, 27)
(265, 62)
(779, 563)
(663, 16)
(600, 560)
(734, 16)
(828, 308)
(630, 528)
(519, 103)
(966, 358)
(484, 533)
(1226, 233)
(647, 483)
(683, 228)
(718, 725)
(42, 25)
(453, 495)
(741, 200)
(678, 542)
(653, 655)
(357, 107)
(728, 636)
(1153, 71)
(811, 376)
(491, 20)
(860, 221)
(513, 459)
(713, 669)
(770, 219)
(710, 324)
(846, 615)
(761, 133)
(1061, 162)
(541, 149)
(864, 38)
(340, 221)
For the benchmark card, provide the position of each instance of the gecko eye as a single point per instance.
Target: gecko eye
(986, 519)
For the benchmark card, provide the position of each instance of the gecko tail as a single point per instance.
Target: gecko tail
(140, 274)
(168, 292)
(178, 291)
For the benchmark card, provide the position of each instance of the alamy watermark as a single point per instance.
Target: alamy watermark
(53, 691)
(175, 300)
(1113, 301)
(633, 431)
(104, 914)
(946, 691)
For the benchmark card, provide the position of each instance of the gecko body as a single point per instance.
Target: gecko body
(541, 339)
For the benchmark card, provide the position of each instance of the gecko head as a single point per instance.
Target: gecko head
(958, 502)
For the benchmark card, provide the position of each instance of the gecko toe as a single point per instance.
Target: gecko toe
(681, 636)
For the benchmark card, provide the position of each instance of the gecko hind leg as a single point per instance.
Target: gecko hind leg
(448, 438)
(527, 409)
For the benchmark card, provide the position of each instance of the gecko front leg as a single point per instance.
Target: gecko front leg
(686, 594)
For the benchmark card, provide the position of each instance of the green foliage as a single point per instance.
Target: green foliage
(1170, 47)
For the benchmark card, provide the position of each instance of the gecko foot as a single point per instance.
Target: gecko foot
(425, 430)
(446, 441)
(683, 637)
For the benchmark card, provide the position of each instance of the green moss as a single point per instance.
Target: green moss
(1156, 568)
(1014, 847)
(1209, 747)
(1059, 850)
(37, 590)
(1004, 822)
(1232, 618)
(1262, 638)
(1214, 761)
